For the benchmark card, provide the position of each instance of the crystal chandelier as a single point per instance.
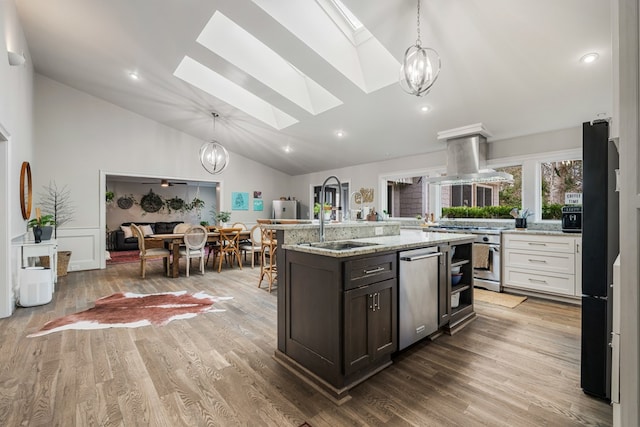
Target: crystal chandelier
(420, 67)
(213, 156)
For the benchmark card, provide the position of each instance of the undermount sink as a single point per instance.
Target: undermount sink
(341, 246)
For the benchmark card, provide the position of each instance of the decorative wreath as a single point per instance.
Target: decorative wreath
(125, 202)
(151, 202)
(175, 204)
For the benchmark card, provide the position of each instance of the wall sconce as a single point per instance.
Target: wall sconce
(16, 58)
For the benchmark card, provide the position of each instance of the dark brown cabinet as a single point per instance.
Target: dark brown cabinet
(340, 318)
(370, 324)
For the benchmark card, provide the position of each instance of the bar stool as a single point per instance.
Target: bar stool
(268, 267)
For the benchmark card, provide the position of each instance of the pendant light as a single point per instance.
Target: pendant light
(213, 156)
(420, 67)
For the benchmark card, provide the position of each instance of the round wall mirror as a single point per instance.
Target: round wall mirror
(26, 196)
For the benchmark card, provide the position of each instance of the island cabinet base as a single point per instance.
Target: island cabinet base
(340, 318)
(336, 395)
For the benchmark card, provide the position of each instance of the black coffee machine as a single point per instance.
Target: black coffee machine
(572, 219)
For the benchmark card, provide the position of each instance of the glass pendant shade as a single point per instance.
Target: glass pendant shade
(419, 70)
(214, 157)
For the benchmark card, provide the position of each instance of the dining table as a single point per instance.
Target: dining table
(175, 240)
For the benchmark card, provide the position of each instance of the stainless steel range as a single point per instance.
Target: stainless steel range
(486, 259)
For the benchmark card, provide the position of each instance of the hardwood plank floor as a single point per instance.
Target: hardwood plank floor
(511, 367)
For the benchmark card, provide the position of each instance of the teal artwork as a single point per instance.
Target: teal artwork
(239, 201)
(258, 205)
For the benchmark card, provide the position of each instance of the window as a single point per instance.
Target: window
(491, 200)
(557, 179)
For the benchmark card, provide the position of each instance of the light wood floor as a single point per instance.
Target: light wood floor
(511, 367)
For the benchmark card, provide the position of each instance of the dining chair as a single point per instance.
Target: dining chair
(230, 246)
(151, 253)
(213, 246)
(239, 224)
(195, 239)
(268, 266)
(181, 228)
(253, 244)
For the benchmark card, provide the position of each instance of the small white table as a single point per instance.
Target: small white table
(31, 250)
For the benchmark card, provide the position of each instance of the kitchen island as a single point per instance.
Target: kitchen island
(338, 304)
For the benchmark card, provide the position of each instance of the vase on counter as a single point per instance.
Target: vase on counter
(37, 234)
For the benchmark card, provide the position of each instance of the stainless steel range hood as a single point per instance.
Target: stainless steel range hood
(466, 157)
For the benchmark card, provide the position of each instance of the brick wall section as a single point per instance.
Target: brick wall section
(411, 203)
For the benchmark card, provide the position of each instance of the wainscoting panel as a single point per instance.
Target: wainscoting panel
(84, 244)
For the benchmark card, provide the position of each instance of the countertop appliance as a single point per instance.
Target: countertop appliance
(418, 294)
(285, 209)
(486, 273)
(600, 247)
(572, 219)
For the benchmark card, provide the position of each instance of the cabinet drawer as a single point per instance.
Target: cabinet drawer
(563, 284)
(360, 272)
(540, 243)
(531, 260)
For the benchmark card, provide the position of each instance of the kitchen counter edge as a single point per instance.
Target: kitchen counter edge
(408, 239)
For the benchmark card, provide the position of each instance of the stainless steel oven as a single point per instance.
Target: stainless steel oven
(486, 262)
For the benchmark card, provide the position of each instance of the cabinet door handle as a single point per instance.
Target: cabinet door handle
(375, 270)
(544, 282)
(537, 244)
(378, 300)
(371, 303)
(538, 260)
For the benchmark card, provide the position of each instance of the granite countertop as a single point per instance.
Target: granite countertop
(314, 224)
(407, 239)
(540, 232)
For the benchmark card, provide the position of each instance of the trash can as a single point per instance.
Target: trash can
(36, 287)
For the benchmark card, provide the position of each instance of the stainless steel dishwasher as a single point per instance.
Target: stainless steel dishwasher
(418, 295)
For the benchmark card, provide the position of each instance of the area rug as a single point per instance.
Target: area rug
(123, 257)
(129, 310)
(498, 298)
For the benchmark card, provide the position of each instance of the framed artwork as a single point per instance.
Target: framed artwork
(257, 195)
(258, 205)
(239, 201)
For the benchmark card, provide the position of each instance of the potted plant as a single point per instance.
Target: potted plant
(327, 210)
(109, 196)
(223, 217)
(42, 227)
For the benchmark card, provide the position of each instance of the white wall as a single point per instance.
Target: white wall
(499, 154)
(16, 118)
(116, 215)
(79, 137)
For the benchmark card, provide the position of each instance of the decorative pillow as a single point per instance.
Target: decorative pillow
(146, 230)
(127, 231)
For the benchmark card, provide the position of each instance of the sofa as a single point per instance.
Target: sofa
(122, 243)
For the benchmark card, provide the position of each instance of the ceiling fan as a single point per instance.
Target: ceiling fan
(166, 183)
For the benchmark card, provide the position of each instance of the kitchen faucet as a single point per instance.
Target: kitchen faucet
(324, 184)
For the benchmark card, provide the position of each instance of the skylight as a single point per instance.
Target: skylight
(249, 54)
(198, 75)
(348, 16)
(334, 33)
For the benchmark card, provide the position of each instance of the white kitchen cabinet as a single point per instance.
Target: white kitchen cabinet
(548, 264)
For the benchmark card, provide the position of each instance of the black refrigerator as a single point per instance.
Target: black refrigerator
(600, 247)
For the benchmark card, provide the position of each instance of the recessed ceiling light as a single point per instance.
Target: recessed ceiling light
(589, 58)
(134, 76)
(425, 108)
(287, 149)
(339, 133)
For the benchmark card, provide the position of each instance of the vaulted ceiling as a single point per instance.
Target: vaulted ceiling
(291, 73)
